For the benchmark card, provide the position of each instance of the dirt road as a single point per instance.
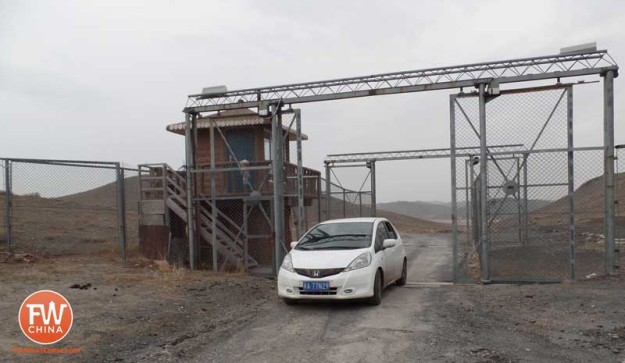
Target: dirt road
(396, 331)
(430, 257)
(425, 321)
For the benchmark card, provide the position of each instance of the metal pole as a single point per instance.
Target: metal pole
(328, 190)
(121, 211)
(485, 273)
(188, 146)
(214, 208)
(373, 198)
(519, 202)
(278, 176)
(246, 240)
(608, 143)
(525, 202)
(454, 202)
(571, 181)
(8, 201)
(319, 196)
(344, 205)
(300, 175)
(196, 204)
(360, 204)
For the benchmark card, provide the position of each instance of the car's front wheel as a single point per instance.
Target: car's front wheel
(377, 290)
(404, 275)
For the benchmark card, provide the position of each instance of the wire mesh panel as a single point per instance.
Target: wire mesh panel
(60, 208)
(543, 211)
(465, 186)
(350, 192)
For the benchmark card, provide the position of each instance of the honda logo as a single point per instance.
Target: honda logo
(316, 273)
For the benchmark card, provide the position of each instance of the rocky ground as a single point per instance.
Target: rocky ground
(140, 311)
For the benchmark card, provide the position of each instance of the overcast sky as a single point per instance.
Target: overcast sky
(100, 80)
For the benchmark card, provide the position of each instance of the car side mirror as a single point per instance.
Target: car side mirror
(293, 244)
(389, 243)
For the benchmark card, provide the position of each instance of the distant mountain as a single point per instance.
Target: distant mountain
(422, 210)
(441, 211)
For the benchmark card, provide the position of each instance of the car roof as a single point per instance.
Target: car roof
(348, 220)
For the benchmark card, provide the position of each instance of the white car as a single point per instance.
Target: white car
(352, 258)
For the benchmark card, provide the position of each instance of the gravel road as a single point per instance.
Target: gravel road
(396, 331)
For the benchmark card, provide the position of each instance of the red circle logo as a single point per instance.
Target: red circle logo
(45, 317)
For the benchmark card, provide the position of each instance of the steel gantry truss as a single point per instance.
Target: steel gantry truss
(507, 71)
(486, 76)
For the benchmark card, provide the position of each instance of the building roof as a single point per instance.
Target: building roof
(232, 118)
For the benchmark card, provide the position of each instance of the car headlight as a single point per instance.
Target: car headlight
(287, 263)
(363, 260)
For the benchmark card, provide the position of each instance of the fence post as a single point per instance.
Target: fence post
(608, 143)
(8, 186)
(278, 180)
(188, 143)
(300, 175)
(374, 212)
(571, 182)
(121, 210)
(485, 272)
(328, 190)
(454, 202)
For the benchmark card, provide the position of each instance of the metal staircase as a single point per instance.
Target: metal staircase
(161, 184)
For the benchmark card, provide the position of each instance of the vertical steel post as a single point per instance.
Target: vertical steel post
(571, 181)
(608, 144)
(525, 202)
(196, 201)
(344, 205)
(8, 201)
(484, 242)
(319, 198)
(214, 208)
(300, 175)
(328, 190)
(475, 228)
(245, 240)
(360, 203)
(454, 202)
(519, 200)
(374, 212)
(467, 214)
(188, 146)
(278, 186)
(121, 210)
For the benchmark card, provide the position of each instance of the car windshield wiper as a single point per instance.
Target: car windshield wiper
(327, 238)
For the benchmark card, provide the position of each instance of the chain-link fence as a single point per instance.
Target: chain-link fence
(56, 208)
(350, 194)
(534, 212)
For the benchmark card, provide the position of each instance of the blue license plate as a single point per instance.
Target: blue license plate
(316, 285)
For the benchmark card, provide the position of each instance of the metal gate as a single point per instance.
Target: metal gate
(532, 196)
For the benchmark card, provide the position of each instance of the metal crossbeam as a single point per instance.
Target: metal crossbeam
(415, 154)
(468, 75)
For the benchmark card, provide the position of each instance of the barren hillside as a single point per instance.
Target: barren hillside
(105, 195)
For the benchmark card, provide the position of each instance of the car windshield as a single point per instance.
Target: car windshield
(337, 236)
